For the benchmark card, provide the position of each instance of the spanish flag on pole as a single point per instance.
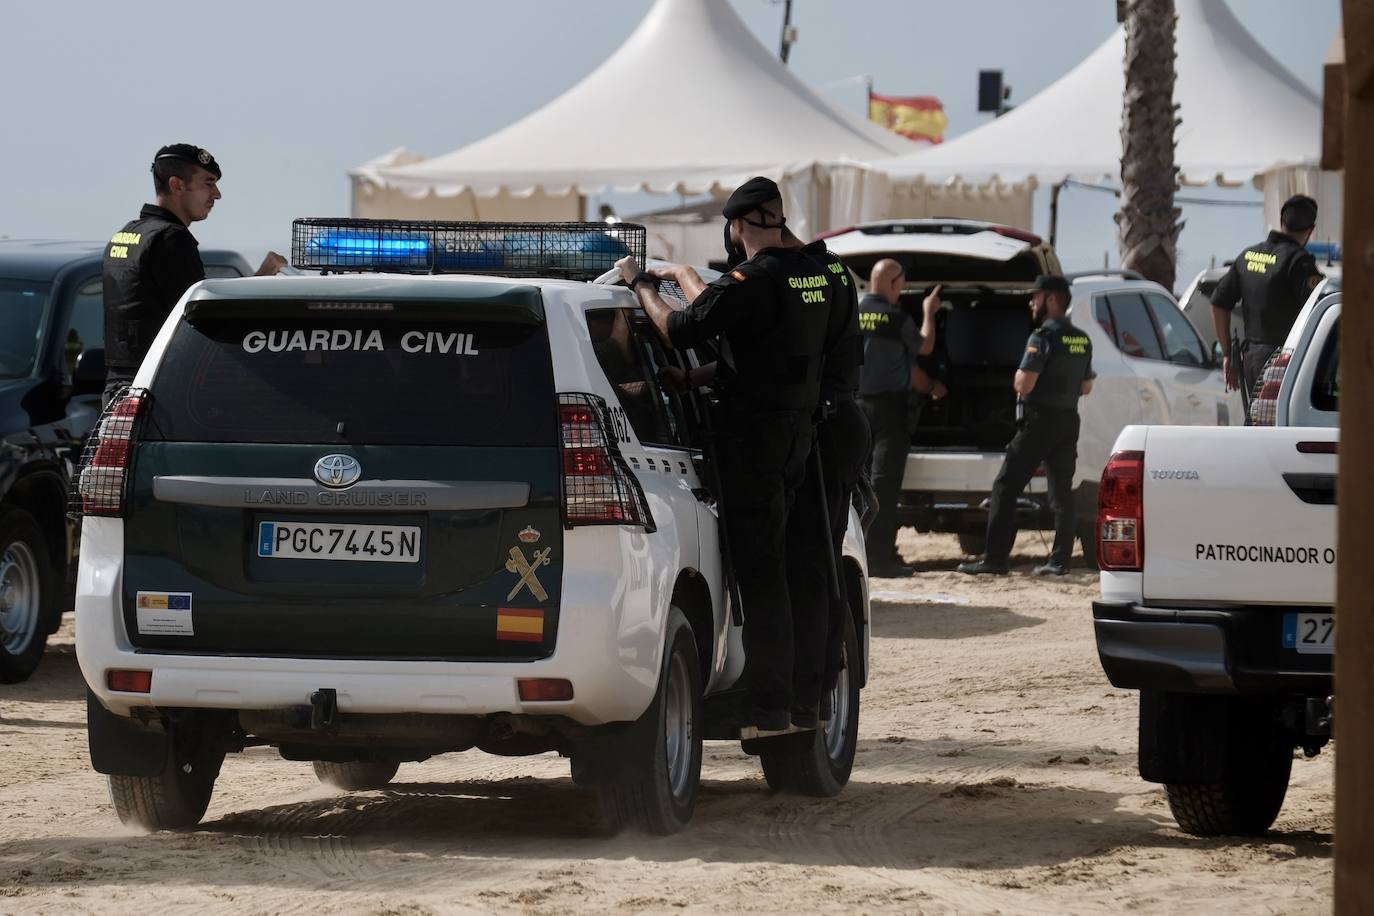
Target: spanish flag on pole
(916, 117)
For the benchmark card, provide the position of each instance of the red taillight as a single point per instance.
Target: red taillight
(1317, 448)
(1264, 400)
(832, 233)
(1120, 521)
(1020, 235)
(598, 488)
(102, 485)
(544, 689)
(129, 681)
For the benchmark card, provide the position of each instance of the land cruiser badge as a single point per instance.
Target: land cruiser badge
(527, 572)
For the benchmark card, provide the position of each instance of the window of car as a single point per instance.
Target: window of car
(631, 366)
(1181, 343)
(22, 304)
(86, 326)
(221, 272)
(1133, 328)
(1326, 386)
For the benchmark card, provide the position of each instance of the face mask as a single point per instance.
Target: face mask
(734, 255)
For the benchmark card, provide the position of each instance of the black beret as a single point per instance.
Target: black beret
(749, 196)
(1299, 212)
(1052, 283)
(188, 152)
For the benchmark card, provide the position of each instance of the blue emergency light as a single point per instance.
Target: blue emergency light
(572, 250)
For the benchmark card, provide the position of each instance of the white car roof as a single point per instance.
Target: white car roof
(985, 243)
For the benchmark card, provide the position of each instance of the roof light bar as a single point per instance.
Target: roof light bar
(579, 251)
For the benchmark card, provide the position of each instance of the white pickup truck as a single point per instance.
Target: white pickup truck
(1218, 555)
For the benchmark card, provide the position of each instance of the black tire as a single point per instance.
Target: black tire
(28, 595)
(656, 790)
(1248, 798)
(973, 543)
(820, 764)
(176, 797)
(356, 775)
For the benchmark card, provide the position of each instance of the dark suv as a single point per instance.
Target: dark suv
(52, 370)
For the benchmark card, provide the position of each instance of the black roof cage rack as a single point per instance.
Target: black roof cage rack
(571, 250)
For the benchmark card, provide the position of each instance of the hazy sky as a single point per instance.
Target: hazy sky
(289, 96)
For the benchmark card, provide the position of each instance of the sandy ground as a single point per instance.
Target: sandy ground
(996, 773)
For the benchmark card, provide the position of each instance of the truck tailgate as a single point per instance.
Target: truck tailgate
(1242, 515)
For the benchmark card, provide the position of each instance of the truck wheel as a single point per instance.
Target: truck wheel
(177, 796)
(356, 775)
(1248, 797)
(657, 788)
(973, 543)
(27, 595)
(821, 765)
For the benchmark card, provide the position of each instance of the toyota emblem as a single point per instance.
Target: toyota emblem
(338, 470)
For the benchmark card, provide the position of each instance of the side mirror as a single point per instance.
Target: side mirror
(89, 377)
(1217, 353)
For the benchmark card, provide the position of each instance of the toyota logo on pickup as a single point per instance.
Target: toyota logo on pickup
(1179, 474)
(338, 470)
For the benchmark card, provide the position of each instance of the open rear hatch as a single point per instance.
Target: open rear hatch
(350, 479)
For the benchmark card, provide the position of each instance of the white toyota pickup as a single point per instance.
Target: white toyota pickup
(1218, 555)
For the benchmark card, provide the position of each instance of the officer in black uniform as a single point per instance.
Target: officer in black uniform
(1055, 372)
(771, 314)
(154, 259)
(890, 373)
(820, 607)
(1271, 281)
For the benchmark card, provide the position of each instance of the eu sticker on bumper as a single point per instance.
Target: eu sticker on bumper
(164, 613)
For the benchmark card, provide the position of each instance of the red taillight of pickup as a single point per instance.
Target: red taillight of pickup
(103, 484)
(1120, 515)
(1264, 400)
(598, 488)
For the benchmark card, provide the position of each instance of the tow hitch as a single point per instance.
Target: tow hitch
(324, 709)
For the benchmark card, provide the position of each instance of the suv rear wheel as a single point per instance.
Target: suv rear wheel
(177, 796)
(973, 543)
(356, 775)
(657, 788)
(27, 595)
(821, 762)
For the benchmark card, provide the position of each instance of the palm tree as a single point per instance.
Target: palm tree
(1148, 224)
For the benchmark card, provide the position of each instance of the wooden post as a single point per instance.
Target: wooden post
(1355, 538)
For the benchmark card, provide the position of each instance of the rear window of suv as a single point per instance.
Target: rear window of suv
(386, 380)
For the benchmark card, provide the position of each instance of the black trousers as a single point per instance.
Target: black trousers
(1255, 356)
(115, 382)
(842, 442)
(762, 464)
(1048, 437)
(888, 419)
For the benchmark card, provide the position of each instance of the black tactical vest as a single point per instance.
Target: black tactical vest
(780, 369)
(844, 346)
(146, 271)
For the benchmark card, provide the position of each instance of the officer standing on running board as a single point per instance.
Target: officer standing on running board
(1271, 281)
(1055, 372)
(154, 259)
(771, 314)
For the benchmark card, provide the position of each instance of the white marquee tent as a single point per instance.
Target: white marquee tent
(1243, 114)
(690, 104)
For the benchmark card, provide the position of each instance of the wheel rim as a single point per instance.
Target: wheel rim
(833, 730)
(19, 597)
(678, 726)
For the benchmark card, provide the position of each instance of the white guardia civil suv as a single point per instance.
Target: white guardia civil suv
(402, 509)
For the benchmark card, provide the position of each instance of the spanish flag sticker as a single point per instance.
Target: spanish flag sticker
(738, 275)
(520, 624)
